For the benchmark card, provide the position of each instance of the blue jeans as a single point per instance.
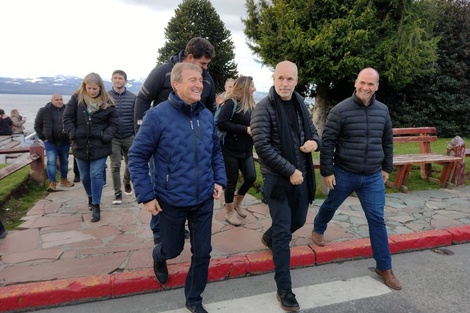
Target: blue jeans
(286, 218)
(370, 190)
(91, 174)
(172, 221)
(52, 151)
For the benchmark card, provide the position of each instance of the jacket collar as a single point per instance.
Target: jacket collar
(180, 105)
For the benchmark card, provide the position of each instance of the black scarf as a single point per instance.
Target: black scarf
(283, 186)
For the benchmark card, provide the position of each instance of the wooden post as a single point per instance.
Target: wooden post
(456, 147)
(38, 172)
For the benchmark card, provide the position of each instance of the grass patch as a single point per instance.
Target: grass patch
(17, 195)
(415, 182)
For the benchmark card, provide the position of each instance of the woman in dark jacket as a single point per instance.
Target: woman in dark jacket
(238, 145)
(5, 123)
(91, 120)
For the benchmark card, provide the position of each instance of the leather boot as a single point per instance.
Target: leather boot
(230, 216)
(238, 206)
(52, 186)
(95, 216)
(90, 203)
(64, 182)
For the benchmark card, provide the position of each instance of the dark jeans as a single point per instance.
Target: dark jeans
(286, 219)
(155, 220)
(232, 166)
(172, 221)
(370, 190)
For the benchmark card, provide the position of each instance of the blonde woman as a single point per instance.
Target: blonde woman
(18, 122)
(91, 120)
(238, 145)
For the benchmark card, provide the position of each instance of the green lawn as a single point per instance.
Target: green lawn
(18, 194)
(415, 182)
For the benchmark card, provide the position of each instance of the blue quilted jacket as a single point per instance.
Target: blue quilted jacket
(186, 152)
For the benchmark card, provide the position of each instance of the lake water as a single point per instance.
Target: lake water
(28, 105)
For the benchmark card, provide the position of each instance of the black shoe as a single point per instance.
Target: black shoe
(186, 234)
(287, 300)
(198, 308)
(128, 189)
(117, 199)
(90, 204)
(157, 241)
(161, 271)
(3, 233)
(95, 216)
(268, 244)
(76, 179)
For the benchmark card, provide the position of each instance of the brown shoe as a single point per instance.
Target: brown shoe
(52, 186)
(389, 279)
(64, 182)
(318, 239)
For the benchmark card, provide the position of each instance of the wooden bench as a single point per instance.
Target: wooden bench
(403, 162)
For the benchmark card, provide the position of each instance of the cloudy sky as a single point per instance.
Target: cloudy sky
(62, 37)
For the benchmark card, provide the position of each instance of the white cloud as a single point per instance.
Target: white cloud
(56, 37)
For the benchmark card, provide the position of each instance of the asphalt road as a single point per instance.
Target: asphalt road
(433, 282)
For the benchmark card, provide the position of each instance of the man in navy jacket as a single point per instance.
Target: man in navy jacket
(157, 88)
(180, 138)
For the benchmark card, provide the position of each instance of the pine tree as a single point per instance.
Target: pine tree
(198, 18)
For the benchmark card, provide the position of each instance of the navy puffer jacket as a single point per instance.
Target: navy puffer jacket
(357, 138)
(125, 102)
(186, 152)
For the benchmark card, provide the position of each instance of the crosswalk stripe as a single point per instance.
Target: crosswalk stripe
(308, 297)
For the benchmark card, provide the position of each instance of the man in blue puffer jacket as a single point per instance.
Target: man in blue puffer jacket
(180, 136)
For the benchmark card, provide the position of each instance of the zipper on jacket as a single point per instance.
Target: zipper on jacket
(196, 157)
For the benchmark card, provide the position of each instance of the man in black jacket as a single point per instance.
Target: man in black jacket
(157, 88)
(124, 137)
(284, 137)
(49, 128)
(357, 156)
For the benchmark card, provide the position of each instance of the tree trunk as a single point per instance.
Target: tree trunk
(319, 118)
(320, 109)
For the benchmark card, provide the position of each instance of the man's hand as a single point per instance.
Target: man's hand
(218, 190)
(385, 176)
(153, 207)
(330, 181)
(296, 178)
(309, 146)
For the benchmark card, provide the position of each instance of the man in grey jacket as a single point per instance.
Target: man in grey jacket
(357, 156)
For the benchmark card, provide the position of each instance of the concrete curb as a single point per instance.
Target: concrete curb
(54, 293)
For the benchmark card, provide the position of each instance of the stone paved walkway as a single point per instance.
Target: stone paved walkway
(58, 241)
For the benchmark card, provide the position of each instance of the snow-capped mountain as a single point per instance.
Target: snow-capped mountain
(65, 85)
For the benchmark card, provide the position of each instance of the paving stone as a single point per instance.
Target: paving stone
(20, 241)
(62, 269)
(34, 255)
